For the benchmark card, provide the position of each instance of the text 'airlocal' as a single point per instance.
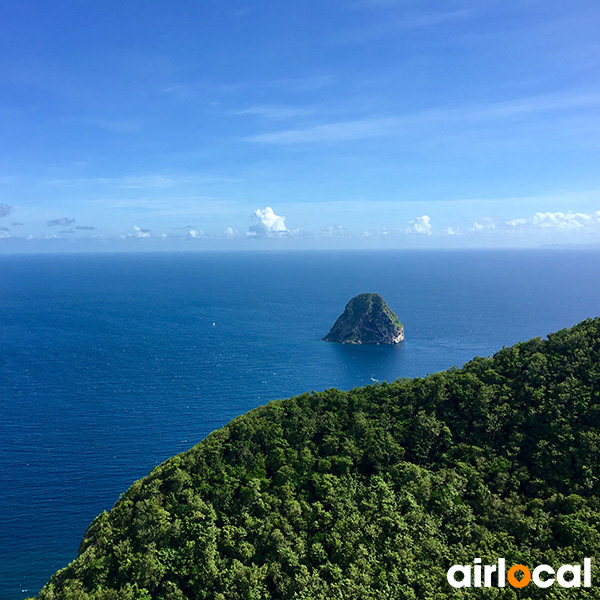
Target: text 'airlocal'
(497, 575)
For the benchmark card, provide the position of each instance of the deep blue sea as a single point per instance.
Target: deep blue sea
(109, 364)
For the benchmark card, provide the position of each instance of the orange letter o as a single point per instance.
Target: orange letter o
(514, 581)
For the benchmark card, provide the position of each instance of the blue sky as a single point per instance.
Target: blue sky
(350, 124)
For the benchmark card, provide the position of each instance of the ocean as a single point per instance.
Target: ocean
(111, 363)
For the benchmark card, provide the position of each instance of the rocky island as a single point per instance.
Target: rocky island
(367, 319)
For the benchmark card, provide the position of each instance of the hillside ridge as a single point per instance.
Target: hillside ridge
(371, 493)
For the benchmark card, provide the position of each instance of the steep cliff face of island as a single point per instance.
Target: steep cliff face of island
(367, 319)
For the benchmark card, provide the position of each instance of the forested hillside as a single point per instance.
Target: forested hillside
(371, 493)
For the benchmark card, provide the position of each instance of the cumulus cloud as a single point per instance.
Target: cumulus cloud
(194, 233)
(230, 232)
(516, 222)
(486, 223)
(333, 230)
(420, 225)
(141, 233)
(266, 223)
(138, 232)
(5, 209)
(62, 222)
(558, 221)
(453, 231)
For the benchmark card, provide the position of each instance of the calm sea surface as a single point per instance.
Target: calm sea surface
(109, 364)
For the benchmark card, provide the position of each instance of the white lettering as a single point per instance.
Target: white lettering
(575, 582)
(543, 576)
(487, 575)
(466, 573)
(477, 573)
(535, 576)
(501, 572)
(587, 572)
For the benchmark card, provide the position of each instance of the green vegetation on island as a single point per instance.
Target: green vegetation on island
(370, 494)
(367, 319)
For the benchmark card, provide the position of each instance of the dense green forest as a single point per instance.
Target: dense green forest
(372, 493)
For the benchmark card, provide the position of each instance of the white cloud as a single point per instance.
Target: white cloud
(486, 223)
(453, 231)
(275, 112)
(516, 222)
(407, 124)
(331, 132)
(142, 233)
(421, 225)
(332, 230)
(193, 233)
(266, 223)
(138, 232)
(230, 232)
(558, 221)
